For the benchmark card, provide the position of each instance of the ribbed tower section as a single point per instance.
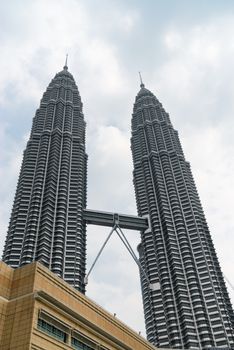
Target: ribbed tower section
(190, 308)
(46, 222)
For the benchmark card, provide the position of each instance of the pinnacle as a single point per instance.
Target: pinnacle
(65, 66)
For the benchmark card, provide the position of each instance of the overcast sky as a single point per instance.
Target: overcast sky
(185, 51)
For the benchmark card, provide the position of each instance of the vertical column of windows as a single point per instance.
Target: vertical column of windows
(38, 121)
(75, 245)
(81, 244)
(76, 99)
(69, 95)
(176, 141)
(59, 115)
(150, 138)
(54, 93)
(167, 137)
(159, 112)
(142, 206)
(146, 257)
(149, 313)
(46, 96)
(78, 125)
(167, 119)
(159, 310)
(49, 117)
(137, 119)
(183, 248)
(152, 112)
(197, 306)
(139, 145)
(217, 278)
(24, 195)
(49, 200)
(61, 94)
(199, 248)
(170, 243)
(62, 207)
(159, 137)
(12, 249)
(68, 119)
(145, 115)
(136, 145)
(39, 155)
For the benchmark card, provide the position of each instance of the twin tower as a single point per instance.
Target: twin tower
(190, 307)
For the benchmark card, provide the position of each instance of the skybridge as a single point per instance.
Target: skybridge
(103, 218)
(117, 222)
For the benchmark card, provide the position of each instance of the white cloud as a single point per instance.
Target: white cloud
(110, 171)
(103, 69)
(190, 70)
(198, 66)
(112, 144)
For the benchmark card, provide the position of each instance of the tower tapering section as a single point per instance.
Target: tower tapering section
(46, 222)
(190, 308)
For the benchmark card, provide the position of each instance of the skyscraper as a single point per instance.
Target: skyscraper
(46, 222)
(190, 307)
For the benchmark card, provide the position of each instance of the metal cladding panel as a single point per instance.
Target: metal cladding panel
(46, 222)
(191, 308)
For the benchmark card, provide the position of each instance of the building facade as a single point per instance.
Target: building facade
(39, 311)
(46, 223)
(190, 308)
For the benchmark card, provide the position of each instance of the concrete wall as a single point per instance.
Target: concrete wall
(33, 290)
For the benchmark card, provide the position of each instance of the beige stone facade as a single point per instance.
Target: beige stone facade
(39, 311)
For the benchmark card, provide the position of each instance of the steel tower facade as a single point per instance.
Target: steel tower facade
(190, 308)
(46, 222)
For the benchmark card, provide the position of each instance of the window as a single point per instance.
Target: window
(77, 344)
(63, 332)
(80, 342)
(52, 330)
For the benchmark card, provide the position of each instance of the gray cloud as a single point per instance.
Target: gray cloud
(185, 53)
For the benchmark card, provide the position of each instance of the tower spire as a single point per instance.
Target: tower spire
(142, 84)
(65, 66)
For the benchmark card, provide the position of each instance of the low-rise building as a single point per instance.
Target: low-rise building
(40, 311)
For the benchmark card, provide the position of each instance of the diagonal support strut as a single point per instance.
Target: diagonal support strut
(116, 228)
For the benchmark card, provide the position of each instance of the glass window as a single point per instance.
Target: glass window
(77, 344)
(52, 330)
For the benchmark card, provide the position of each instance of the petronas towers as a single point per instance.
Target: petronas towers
(190, 307)
(46, 221)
